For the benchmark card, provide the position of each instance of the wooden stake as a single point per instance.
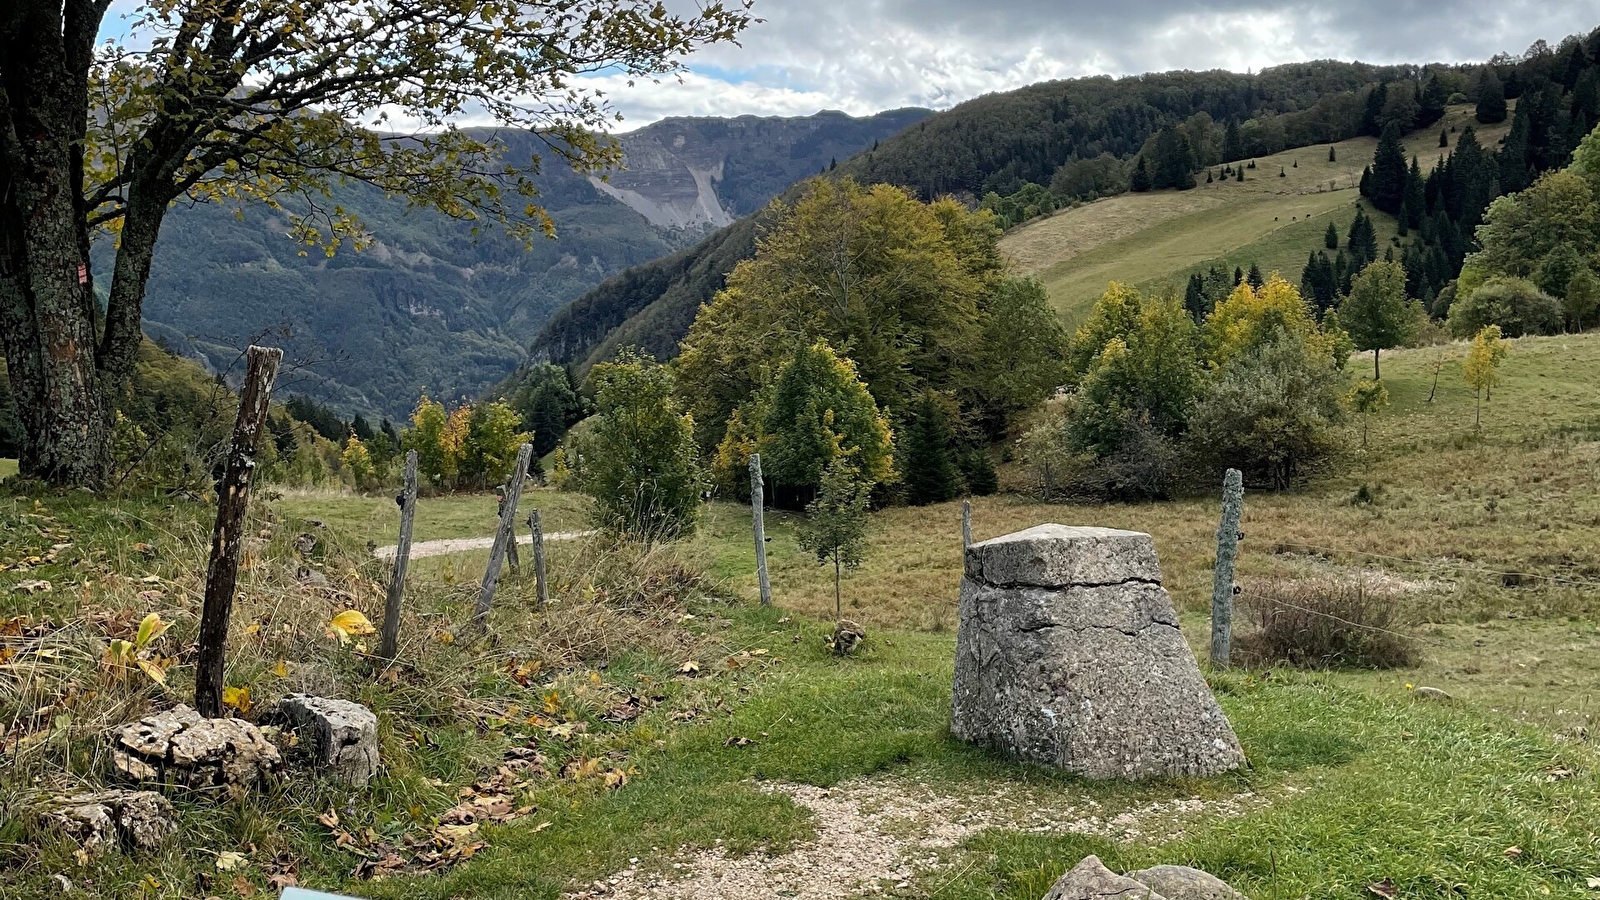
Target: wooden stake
(389, 645)
(1222, 575)
(536, 525)
(757, 501)
(233, 502)
(513, 558)
(503, 536)
(966, 524)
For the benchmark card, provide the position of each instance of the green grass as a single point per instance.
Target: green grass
(1352, 779)
(8, 468)
(1158, 238)
(377, 519)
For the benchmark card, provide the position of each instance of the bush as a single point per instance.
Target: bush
(1515, 304)
(1320, 624)
(642, 467)
(1273, 414)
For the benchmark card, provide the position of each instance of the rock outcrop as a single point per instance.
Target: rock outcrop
(109, 820)
(1069, 654)
(341, 736)
(181, 747)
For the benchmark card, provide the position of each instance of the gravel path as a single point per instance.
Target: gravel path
(420, 549)
(874, 835)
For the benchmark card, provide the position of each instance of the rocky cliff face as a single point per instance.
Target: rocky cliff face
(700, 174)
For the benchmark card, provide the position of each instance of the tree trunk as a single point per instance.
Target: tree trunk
(1376, 375)
(64, 380)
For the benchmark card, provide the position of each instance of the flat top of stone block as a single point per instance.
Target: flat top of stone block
(1054, 555)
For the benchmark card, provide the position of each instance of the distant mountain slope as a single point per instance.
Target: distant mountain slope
(1001, 142)
(991, 143)
(429, 306)
(1158, 238)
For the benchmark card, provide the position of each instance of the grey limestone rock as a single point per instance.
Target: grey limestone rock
(341, 736)
(1091, 880)
(182, 747)
(1069, 654)
(107, 820)
(1185, 883)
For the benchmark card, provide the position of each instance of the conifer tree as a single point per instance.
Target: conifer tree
(1414, 199)
(1371, 117)
(1255, 277)
(1139, 181)
(1332, 156)
(1444, 138)
(1491, 98)
(928, 455)
(1232, 142)
(1238, 276)
(1387, 187)
(1331, 238)
(1240, 174)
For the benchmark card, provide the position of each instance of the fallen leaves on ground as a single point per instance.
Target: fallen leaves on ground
(1384, 889)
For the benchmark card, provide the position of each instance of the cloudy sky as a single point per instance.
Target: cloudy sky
(863, 56)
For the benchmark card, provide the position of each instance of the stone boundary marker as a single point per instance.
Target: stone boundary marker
(1069, 654)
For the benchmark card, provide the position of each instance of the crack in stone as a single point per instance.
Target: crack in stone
(1030, 629)
(1025, 585)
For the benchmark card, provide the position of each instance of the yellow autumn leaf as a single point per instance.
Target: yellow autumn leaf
(156, 670)
(349, 623)
(237, 698)
(281, 670)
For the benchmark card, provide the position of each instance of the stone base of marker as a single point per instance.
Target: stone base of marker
(1069, 654)
(341, 737)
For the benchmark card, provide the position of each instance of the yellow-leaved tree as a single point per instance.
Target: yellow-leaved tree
(1480, 369)
(1249, 318)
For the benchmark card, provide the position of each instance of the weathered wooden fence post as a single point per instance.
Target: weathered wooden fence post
(513, 558)
(536, 525)
(966, 524)
(233, 501)
(1222, 575)
(389, 645)
(504, 535)
(757, 501)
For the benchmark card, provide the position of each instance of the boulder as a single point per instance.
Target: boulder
(1090, 880)
(1069, 654)
(1184, 883)
(847, 636)
(106, 820)
(341, 736)
(181, 747)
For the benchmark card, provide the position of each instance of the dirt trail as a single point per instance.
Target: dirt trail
(421, 549)
(874, 835)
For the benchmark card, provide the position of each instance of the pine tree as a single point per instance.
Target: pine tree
(928, 458)
(1238, 276)
(1491, 98)
(1255, 278)
(1194, 297)
(1332, 156)
(1174, 164)
(1513, 156)
(1240, 173)
(1232, 142)
(1331, 238)
(1139, 181)
(1387, 187)
(1444, 138)
(1282, 173)
(1377, 99)
(1414, 199)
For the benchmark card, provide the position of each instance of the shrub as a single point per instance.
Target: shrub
(1320, 624)
(1515, 304)
(1273, 414)
(643, 466)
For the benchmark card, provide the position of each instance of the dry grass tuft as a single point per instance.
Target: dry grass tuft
(1322, 624)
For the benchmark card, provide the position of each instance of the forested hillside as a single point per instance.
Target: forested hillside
(431, 306)
(1043, 143)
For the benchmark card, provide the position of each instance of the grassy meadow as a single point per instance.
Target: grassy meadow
(1158, 238)
(1353, 781)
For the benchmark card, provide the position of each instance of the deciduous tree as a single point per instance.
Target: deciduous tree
(272, 101)
(1377, 314)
